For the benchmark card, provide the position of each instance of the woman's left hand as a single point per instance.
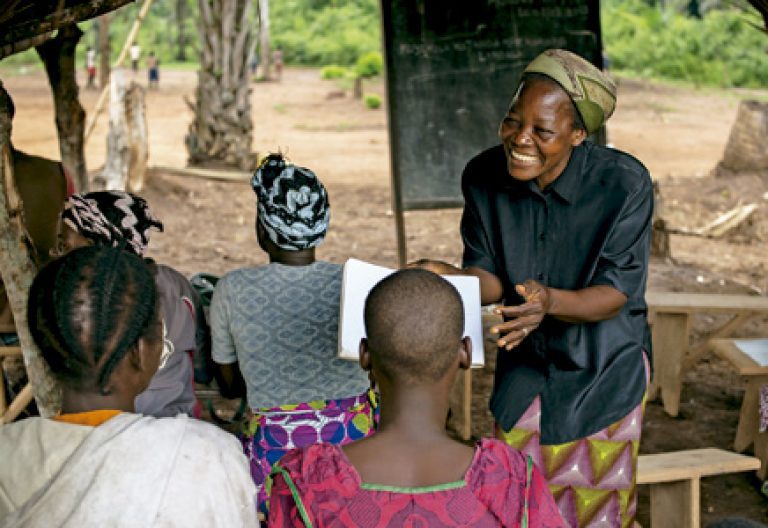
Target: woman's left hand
(521, 320)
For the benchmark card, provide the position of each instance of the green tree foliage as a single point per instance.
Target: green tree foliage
(317, 32)
(721, 49)
(369, 65)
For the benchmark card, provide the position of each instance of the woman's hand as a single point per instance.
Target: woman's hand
(521, 320)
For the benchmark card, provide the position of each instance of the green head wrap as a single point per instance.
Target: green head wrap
(593, 93)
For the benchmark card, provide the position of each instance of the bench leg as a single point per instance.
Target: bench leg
(749, 417)
(670, 342)
(761, 452)
(676, 504)
(461, 404)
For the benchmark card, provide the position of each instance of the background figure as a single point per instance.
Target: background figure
(135, 56)
(95, 315)
(277, 62)
(275, 328)
(121, 219)
(153, 70)
(90, 67)
(411, 473)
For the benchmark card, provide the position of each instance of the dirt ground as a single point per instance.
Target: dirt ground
(678, 133)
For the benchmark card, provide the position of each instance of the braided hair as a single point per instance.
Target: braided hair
(90, 307)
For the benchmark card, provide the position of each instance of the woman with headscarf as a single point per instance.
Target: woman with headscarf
(121, 219)
(274, 328)
(557, 229)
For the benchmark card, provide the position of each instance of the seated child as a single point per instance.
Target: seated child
(411, 473)
(95, 314)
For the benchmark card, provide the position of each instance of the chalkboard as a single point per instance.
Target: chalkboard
(452, 68)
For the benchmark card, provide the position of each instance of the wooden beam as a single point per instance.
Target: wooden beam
(27, 20)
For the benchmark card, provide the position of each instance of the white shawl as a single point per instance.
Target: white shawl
(131, 471)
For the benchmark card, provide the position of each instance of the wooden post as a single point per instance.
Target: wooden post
(266, 52)
(670, 343)
(104, 51)
(749, 416)
(17, 271)
(127, 149)
(676, 504)
(58, 56)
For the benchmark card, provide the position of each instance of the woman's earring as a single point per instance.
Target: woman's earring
(167, 348)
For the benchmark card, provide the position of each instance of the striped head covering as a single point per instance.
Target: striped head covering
(593, 92)
(108, 218)
(293, 204)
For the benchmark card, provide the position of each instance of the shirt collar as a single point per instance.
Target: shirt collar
(568, 184)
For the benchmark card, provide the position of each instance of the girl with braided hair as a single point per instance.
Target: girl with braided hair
(112, 218)
(95, 315)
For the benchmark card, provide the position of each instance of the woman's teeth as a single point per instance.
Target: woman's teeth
(524, 157)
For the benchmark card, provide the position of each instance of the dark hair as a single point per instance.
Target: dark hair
(578, 122)
(414, 320)
(87, 309)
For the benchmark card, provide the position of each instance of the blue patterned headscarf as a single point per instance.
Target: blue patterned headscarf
(293, 204)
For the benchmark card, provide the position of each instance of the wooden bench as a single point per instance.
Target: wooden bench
(748, 430)
(674, 479)
(671, 314)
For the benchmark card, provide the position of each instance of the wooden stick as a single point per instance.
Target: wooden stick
(120, 58)
(18, 404)
(7, 351)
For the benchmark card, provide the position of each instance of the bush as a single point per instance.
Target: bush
(333, 71)
(722, 49)
(372, 101)
(369, 65)
(314, 33)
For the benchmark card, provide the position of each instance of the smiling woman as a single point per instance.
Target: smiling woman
(557, 230)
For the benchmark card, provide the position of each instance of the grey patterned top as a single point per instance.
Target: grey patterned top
(280, 323)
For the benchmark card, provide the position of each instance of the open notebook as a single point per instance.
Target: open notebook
(360, 277)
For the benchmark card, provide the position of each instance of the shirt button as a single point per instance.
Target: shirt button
(543, 236)
(540, 276)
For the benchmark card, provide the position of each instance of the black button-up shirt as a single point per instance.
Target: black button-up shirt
(591, 226)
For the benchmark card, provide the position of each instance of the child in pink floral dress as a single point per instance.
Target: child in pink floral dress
(411, 473)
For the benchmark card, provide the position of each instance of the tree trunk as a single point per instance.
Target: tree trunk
(747, 147)
(58, 55)
(17, 271)
(266, 52)
(221, 133)
(660, 246)
(104, 50)
(127, 150)
(181, 36)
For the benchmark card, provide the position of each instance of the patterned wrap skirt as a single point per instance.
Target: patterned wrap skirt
(270, 433)
(593, 479)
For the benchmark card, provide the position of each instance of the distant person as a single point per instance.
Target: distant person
(90, 67)
(135, 56)
(275, 328)
(411, 472)
(557, 230)
(277, 62)
(253, 63)
(43, 185)
(121, 219)
(96, 317)
(153, 70)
